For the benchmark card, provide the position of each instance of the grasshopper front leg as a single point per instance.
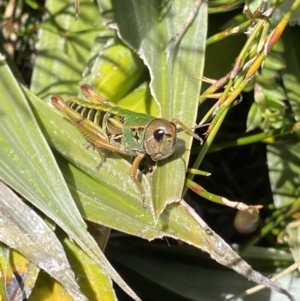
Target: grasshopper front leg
(134, 167)
(186, 129)
(133, 171)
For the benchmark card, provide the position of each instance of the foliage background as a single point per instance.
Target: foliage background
(240, 172)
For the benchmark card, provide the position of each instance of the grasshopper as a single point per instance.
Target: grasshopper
(109, 127)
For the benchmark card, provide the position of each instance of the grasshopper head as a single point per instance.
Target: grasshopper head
(160, 139)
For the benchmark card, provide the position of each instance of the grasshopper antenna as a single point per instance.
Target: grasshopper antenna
(189, 131)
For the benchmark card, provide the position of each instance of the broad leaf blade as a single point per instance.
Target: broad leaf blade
(284, 162)
(27, 163)
(28, 166)
(64, 53)
(147, 27)
(95, 284)
(36, 241)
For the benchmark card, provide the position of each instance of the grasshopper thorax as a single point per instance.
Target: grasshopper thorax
(160, 139)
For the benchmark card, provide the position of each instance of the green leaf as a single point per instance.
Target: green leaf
(284, 170)
(36, 242)
(28, 166)
(147, 27)
(95, 284)
(114, 69)
(291, 76)
(64, 47)
(140, 100)
(254, 117)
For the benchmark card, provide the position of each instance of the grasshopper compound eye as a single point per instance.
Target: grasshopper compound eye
(159, 135)
(160, 139)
